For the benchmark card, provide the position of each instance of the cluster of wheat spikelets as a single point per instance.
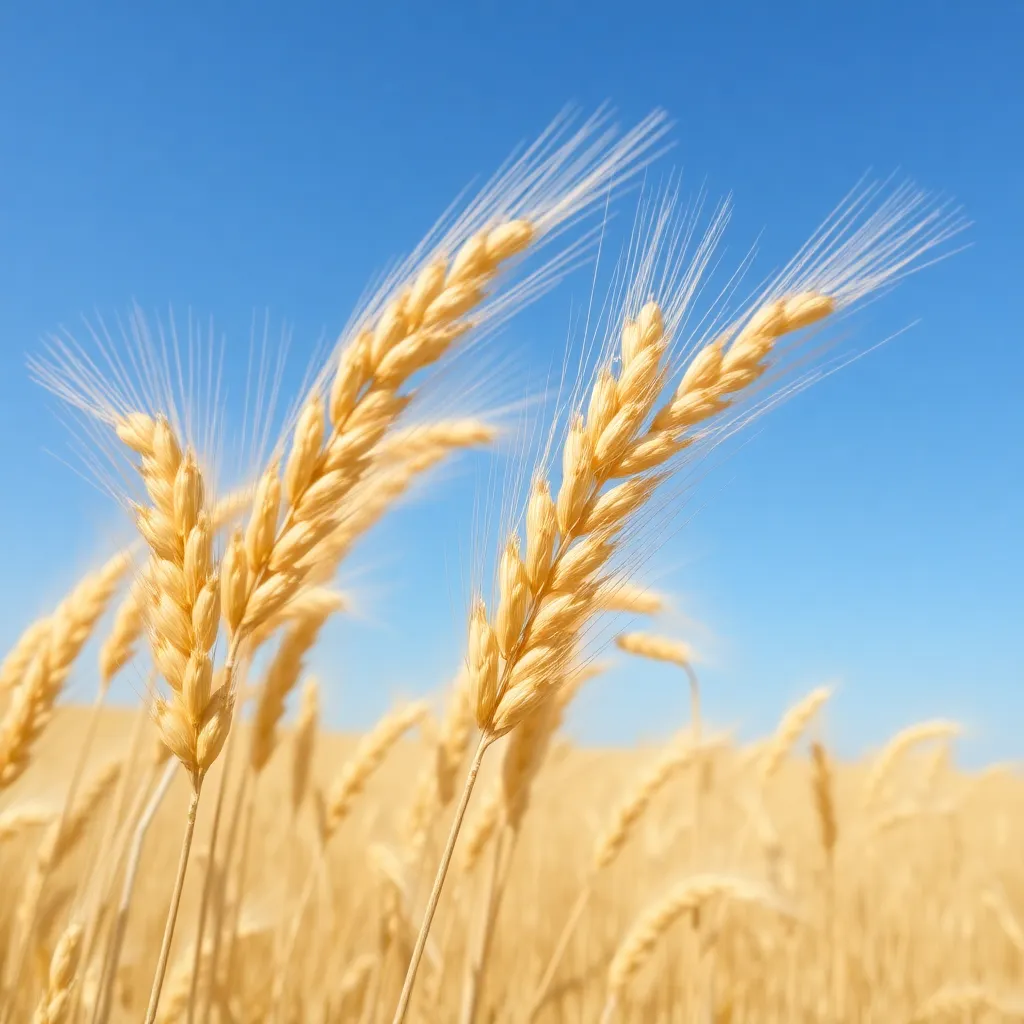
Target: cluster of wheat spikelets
(193, 862)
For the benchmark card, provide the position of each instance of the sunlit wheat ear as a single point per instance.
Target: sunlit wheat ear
(55, 1002)
(23, 817)
(404, 459)
(303, 742)
(21, 655)
(528, 747)
(311, 602)
(406, 330)
(129, 624)
(611, 463)
(822, 786)
(657, 648)
(430, 438)
(182, 594)
(673, 652)
(962, 1002)
(59, 645)
(680, 754)
(353, 984)
(641, 940)
(281, 677)
(893, 752)
(368, 756)
(622, 596)
(792, 726)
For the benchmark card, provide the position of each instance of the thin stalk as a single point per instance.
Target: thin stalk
(442, 871)
(211, 874)
(113, 954)
(243, 866)
(172, 913)
(95, 915)
(218, 910)
(477, 956)
(114, 836)
(281, 974)
(568, 930)
(608, 1013)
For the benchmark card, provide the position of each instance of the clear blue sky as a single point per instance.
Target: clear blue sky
(241, 157)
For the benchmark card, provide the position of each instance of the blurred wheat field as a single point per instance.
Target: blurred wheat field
(928, 890)
(217, 853)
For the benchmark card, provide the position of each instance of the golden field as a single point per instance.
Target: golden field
(216, 854)
(923, 892)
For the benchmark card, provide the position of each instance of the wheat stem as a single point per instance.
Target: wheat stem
(204, 903)
(113, 954)
(442, 871)
(172, 913)
(478, 955)
(568, 929)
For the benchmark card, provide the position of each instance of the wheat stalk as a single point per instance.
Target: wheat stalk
(614, 456)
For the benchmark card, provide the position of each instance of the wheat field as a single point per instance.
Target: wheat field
(218, 853)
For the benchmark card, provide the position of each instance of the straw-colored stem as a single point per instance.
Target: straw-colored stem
(113, 954)
(114, 865)
(568, 929)
(219, 903)
(608, 1013)
(117, 837)
(172, 913)
(477, 959)
(211, 874)
(288, 951)
(442, 871)
(242, 872)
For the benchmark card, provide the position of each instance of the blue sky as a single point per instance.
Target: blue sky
(236, 158)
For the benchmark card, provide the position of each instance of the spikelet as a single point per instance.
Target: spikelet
(129, 622)
(612, 461)
(640, 941)
(372, 750)
(183, 594)
(68, 629)
(690, 895)
(403, 459)
(824, 801)
(790, 729)
(657, 648)
(528, 746)
(622, 596)
(281, 676)
(19, 818)
(303, 742)
(334, 442)
(55, 1002)
(680, 753)
(961, 1002)
(896, 748)
(22, 654)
